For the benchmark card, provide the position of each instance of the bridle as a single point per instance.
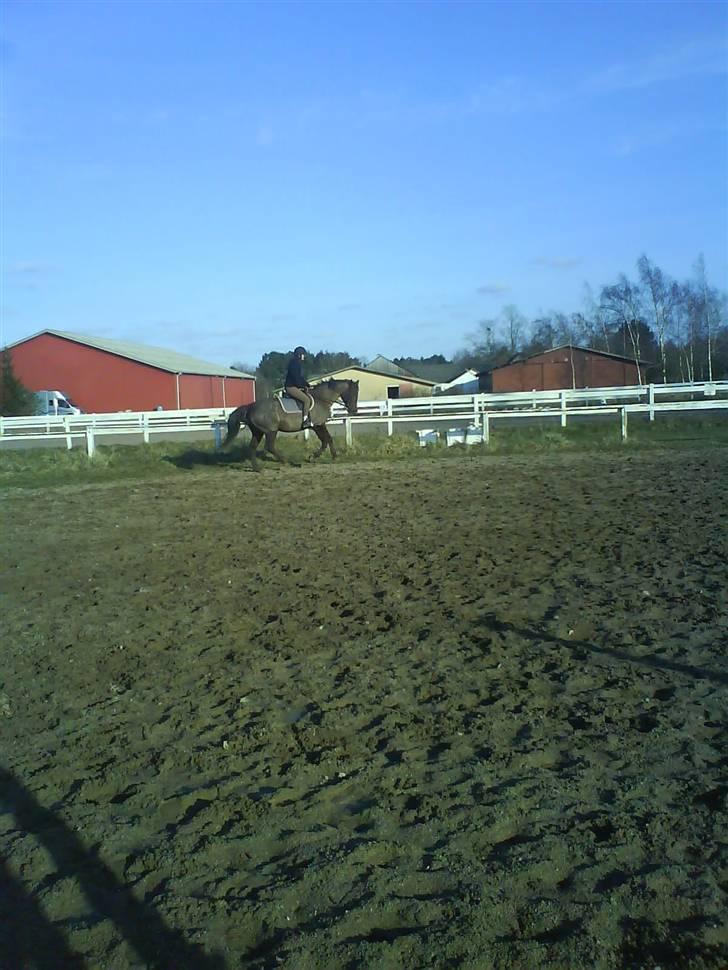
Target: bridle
(337, 399)
(344, 401)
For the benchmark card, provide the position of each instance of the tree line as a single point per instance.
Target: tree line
(677, 327)
(271, 371)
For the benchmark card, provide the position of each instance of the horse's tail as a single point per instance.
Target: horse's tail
(236, 419)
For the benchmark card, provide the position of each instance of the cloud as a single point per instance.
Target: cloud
(501, 95)
(555, 262)
(27, 270)
(656, 135)
(493, 289)
(696, 57)
(509, 95)
(28, 276)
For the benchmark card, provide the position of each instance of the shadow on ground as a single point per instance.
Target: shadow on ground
(237, 459)
(581, 648)
(28, 937)
(197, 456)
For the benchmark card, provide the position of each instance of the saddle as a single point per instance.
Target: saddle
(290, 405)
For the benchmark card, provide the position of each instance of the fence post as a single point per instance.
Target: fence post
(563, 408)
(90, 442)
(347, 426)
(486, 427)
(390, 423)
(217, 429)
(651, 399)
(145, 425)
(623, 412)
(69, 440)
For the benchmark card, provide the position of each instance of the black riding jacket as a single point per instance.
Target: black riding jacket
(294, 377)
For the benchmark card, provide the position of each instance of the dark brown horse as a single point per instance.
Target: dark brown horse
(267, 417)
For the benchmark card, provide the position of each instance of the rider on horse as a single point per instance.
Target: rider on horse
(296, 384)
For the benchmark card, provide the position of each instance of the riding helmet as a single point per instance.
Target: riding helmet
(299, 350)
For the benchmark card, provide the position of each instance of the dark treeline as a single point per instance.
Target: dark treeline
(271, 371)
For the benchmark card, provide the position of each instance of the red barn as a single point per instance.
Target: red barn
(112, 375)
(568, 367)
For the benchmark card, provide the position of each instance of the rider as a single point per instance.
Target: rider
(296, 384)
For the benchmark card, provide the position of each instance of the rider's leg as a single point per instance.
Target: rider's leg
(299, 395)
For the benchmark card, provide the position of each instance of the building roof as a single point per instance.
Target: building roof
(405, 376)
(158, 357)
(442, 373)
(383, 365)
(584, 350)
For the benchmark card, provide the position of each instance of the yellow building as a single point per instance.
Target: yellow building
(377, 385)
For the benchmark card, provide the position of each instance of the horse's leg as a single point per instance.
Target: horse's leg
(253, 448)
(270, 444)
(326, 440)
(321, 434)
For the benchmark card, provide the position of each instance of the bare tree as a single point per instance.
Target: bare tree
(683, 329)
(599, 323)
(514, 325)
(708, 309)
(543, 335)
(658, 298)
(621, 302)
(568, 328)
(483, 340)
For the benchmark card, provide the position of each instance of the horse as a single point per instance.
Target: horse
(267, 417)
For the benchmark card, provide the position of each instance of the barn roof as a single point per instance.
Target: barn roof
(518, 359)
(406, 377)
(158, 357)
(441, 373)
(383, 365)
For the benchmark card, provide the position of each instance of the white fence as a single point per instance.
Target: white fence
(87, 428)
(481, 409)
(460, 410)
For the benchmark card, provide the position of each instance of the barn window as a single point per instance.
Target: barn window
(392, 391)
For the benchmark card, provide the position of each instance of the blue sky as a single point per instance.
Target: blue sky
(228, 178)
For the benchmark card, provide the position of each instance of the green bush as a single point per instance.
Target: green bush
(15, 398)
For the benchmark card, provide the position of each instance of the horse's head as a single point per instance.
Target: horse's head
(350, 395)
(330, 391)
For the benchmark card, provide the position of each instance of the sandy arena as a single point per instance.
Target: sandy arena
(394, 715)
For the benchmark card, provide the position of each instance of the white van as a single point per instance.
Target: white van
(55, 402)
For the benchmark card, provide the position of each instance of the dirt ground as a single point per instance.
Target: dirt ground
(398, 715)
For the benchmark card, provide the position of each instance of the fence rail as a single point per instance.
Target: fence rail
(462, 409)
